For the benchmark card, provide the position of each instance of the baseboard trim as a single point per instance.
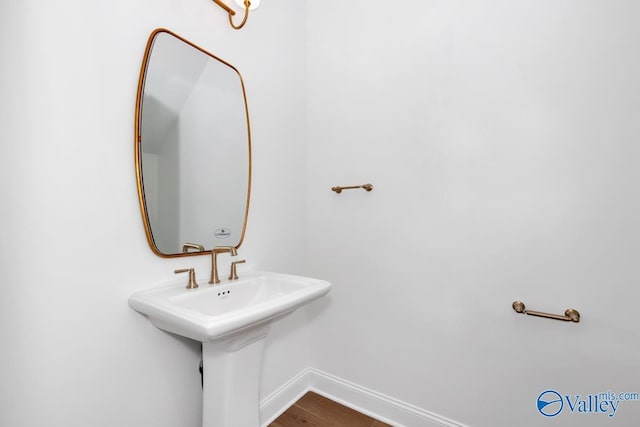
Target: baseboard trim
(377, 405)
(284, 397)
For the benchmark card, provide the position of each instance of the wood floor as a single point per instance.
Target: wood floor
(313, 410)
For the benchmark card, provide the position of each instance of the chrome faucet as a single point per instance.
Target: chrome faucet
(214, 261)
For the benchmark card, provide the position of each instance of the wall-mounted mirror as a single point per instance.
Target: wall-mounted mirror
(192, 147)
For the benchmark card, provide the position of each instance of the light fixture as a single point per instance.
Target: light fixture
(246, 5)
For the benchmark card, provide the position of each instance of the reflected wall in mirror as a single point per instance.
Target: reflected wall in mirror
(192, 147)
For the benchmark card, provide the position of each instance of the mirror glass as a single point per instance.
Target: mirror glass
(193, 147)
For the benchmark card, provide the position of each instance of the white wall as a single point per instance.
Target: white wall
(501, 139)
(73, 245)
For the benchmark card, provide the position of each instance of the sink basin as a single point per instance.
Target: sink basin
(232, 321)
(209, 313)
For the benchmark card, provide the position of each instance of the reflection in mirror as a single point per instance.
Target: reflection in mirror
(193, 148)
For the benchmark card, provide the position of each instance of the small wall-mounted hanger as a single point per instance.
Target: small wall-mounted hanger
(570, 315)
(339, 189)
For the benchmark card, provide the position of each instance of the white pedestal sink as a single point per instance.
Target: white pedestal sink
(231, 320)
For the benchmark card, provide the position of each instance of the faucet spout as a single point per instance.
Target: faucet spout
(214, 261)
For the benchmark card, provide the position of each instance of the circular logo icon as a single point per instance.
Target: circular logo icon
(550, 403)
(222, 233)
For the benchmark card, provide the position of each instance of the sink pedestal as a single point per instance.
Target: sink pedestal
(231, 379)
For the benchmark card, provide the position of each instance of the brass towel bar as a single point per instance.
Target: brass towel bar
(570, 315)
(339, 189)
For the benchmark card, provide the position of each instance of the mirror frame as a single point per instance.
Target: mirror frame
(138, 145)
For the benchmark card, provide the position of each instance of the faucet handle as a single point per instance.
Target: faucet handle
(233, 275)
(187, 246)
(192, 277)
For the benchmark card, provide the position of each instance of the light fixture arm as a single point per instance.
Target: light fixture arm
(232, 12)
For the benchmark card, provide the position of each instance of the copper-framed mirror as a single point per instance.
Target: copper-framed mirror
(192, 148)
